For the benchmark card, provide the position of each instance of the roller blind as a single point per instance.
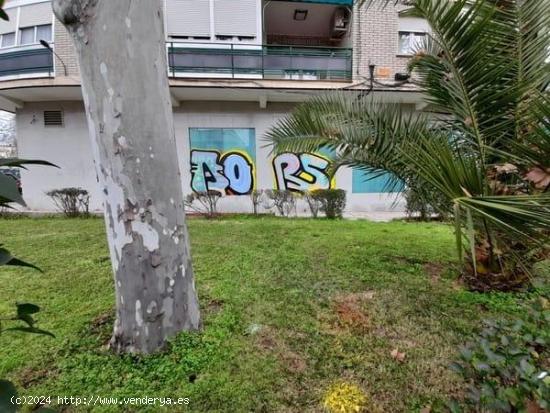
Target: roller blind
(8, 26)
(235, 17)
(413, 24)
(188, 17)
(36, 14)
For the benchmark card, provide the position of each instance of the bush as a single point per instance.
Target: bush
(256, 197)
(333, 201)
(73, 202)
(314, 203)
(283, 200)
(507, 364)
(425, 202)
(204, 203)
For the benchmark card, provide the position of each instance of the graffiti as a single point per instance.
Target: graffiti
(230, 173)
(301, 172)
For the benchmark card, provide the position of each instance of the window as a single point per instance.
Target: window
(223, 160)
(409, 42)
(26, 36)
(44, 32)
(7, 39)
(33, 35)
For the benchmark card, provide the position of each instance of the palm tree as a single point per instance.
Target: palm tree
(485, 66)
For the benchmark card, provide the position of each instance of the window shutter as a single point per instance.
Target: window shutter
(8, 26)
(36, 14)
(188, 17)
(413, 24)
(235, 17)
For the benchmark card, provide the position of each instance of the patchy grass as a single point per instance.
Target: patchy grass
(291, 308)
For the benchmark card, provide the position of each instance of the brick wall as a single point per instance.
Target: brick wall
(65, 49)
(375, 41)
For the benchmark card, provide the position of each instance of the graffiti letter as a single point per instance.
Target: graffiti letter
(315, 167)
(301, 172)
(238, 170)
(286, 166)
(206, 172)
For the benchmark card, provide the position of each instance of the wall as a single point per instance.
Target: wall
(65, 50)
(375, 34)
(68, 147)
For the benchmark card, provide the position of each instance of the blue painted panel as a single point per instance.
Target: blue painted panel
(224, 140)
(361, 184)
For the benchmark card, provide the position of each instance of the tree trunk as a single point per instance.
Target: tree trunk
(122, 55)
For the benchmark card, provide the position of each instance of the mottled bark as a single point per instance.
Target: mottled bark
(122, 55)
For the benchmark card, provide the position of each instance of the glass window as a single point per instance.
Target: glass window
(8, 40)
(409, 42)
(44, 33)
(26, 36)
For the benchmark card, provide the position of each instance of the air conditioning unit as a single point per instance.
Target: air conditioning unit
(341, 20)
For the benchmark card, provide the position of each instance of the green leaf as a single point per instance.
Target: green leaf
(27, 308)
(9, 190)
(3, 15)
(7, 391)
(19, 163)
(7, 259)
(5, 256)
(32, 330)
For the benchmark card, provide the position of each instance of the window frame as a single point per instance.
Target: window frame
(35, 40)
(2, 40)
(416, 34)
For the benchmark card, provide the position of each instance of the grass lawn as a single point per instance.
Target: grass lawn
(289, 308)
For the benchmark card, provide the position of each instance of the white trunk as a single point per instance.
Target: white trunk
(122, 58)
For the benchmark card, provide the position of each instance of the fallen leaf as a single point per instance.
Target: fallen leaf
(427, 409)
(397, 355)
(540, 177)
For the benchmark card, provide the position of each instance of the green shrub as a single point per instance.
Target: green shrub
(204, 203)
(426, 202)
(333, 201)
(73, 202)
(283, 200)
(256, 196)
(507, 365)
(313, 202)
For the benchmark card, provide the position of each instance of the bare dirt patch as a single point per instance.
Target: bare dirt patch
(350, 311)
(268, 340)
(30, 377)
(434, 270)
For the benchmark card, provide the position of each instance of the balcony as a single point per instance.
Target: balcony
(208, 60)
(26, 62)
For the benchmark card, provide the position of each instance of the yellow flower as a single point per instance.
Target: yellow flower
(345, 398)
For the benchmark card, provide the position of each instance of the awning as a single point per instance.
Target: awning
(336, 2)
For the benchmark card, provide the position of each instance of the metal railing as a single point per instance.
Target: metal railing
(216, 60)
(26, 61)
(259, 61)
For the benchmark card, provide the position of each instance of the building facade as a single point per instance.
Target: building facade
(235, 67)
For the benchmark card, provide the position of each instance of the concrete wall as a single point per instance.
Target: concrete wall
(69, 148)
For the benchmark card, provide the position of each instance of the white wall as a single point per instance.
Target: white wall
(68, 147)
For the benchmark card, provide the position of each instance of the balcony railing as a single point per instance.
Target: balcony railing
(26, 61)
(259, 62)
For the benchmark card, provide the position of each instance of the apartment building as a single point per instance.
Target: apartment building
(235, 67)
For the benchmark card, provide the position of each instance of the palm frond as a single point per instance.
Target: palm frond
(466, 68)
(363, 133)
